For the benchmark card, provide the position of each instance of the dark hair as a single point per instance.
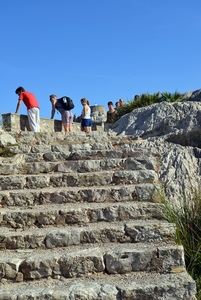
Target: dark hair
(83, 100)
(19, 90)
(53, 96)
(110, 103)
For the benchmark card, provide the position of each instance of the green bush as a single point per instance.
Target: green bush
(146, 100)
(188, 233)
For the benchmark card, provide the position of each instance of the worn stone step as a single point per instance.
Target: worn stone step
(82, 260)
(54, 153)
(77, 152)
(36, 181)
(58, 138)
(64, 143)
(48, 195)
(81, 166)
(58, 215)
(132, 286)
(97, 149)
(117, 232)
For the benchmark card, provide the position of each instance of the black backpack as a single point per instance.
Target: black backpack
(65, 102)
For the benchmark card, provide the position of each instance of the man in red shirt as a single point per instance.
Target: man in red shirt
(32, 108)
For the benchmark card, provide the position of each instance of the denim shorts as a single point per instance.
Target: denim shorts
(86, 122)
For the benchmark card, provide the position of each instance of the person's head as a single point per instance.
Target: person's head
(121, 101)
(84, 101)
(19, 90)
(53, 97)
(117, 104)
(110, 103)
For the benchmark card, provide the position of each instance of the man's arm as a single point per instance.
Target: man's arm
(53, 108)
(18, 106)
(53, 113)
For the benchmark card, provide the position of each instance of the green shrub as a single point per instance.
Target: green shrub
(187, 219)
(171, 97)
(146, 100)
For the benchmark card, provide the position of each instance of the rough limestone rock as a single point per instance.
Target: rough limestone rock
(6, 139)
(160, 119)
(174, 130)
(195, 96)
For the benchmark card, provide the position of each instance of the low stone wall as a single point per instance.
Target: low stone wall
(16, 122)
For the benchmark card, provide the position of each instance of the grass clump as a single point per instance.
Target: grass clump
(188, 233)
(6, 152)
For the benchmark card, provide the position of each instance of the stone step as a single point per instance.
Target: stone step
(48, 195)
(78, 261)
(62, 215)
(22, 161)
(97, 148)
(132, 286)
(116, 232)
(61, 143)
(58, 138)
(37, 181)
(77, 152)
(81, 166)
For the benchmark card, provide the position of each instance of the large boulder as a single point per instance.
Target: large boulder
(160, 119)
(174, 131)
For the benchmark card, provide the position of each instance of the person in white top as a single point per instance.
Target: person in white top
(85, 116)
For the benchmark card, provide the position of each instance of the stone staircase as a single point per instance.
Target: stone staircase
(81, 218)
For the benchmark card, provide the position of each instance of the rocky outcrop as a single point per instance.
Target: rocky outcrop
(194, 96)
(173, 130)
(161, 119)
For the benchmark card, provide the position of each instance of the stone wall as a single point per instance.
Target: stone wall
(98, 114)
(17, 122)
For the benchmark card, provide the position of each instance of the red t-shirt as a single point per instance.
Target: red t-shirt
(29, 99)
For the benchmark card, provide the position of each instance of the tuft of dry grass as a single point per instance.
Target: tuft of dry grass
(187, 219)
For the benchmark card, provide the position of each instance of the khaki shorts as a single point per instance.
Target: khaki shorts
(67, 117)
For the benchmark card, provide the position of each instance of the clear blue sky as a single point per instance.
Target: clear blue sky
(99, 49)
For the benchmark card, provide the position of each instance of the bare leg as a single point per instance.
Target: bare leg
(69, 127)
(85, 128)
(65, 127)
